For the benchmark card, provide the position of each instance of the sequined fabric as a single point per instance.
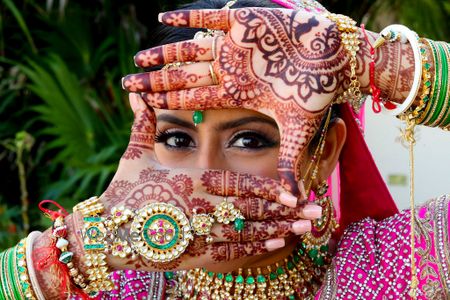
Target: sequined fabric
(373, 258)
(372, 261)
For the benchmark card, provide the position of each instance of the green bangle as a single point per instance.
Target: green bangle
(438, 85)
(4, 283)
(442, 107)
(431, 106)
(446, 118)
(14, 275)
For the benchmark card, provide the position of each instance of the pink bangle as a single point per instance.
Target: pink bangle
(31, 272)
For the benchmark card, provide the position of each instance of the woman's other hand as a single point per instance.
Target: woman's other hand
(284, 63)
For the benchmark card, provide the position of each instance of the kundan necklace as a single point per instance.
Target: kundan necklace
(296, 277)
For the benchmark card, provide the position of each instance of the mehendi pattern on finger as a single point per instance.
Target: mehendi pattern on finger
(212, 19)
(178, 52)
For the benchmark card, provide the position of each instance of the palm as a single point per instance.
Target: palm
(286, 64)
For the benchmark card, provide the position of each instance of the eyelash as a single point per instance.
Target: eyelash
(265, 141)
(163, 136)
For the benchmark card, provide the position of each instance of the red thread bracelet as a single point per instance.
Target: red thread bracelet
(376, 92)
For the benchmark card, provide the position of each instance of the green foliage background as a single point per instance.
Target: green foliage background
(64, 120)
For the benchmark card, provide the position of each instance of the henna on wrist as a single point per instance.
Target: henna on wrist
(394, 68)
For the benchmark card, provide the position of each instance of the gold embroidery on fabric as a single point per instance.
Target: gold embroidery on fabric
(430, 229)
(442, 242)
(329, 284)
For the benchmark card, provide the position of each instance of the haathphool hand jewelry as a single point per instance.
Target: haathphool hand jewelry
(225, 212)
(94, 236)
(295, 277)
(349, 36)
(161, 232)
(202, 224)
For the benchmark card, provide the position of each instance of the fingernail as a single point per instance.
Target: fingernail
(312, 211)
(274, 244)
(288, 199)
(301, 227)
(160, 17)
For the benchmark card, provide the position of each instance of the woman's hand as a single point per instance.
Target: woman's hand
(270, 213)
(140, 180)
(284, 63)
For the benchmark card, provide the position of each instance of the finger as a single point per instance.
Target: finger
(200, 98)
(177, 78)
(186, 51)
(295, 138)
(259, 231)
(221, 252)
(258, 209)
(143, 129)
(226, 183)
(217, 19)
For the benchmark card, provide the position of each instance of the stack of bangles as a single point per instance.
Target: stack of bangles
(428, 101)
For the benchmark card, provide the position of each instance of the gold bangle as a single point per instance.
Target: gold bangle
(426, 82)
(22, 269)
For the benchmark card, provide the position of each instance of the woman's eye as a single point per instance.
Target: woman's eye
(179, 141)
(174, 139)
(251, 140)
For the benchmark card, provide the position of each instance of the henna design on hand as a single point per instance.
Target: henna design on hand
(272, 60)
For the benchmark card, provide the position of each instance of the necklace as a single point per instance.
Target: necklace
(295, 277)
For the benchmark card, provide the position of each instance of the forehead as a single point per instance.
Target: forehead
(214, 116)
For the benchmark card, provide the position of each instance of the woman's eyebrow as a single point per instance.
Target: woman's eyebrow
(244, 121)
(175, 120)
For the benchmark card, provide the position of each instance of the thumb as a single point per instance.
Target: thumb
(143, 129)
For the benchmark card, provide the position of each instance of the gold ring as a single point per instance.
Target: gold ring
(213, 75)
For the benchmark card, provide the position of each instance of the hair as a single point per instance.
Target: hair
(168, 34)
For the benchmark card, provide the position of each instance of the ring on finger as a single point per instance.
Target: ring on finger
(213, 75)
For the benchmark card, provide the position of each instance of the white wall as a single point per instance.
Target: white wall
(432, 157)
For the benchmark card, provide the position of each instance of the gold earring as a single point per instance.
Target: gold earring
(315, 242)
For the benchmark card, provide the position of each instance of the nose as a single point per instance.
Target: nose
(211, 157)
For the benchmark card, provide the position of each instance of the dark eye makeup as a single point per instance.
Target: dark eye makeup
(244, 140)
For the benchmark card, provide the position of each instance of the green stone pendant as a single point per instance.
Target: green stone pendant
(197, 117)
(239, 224)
